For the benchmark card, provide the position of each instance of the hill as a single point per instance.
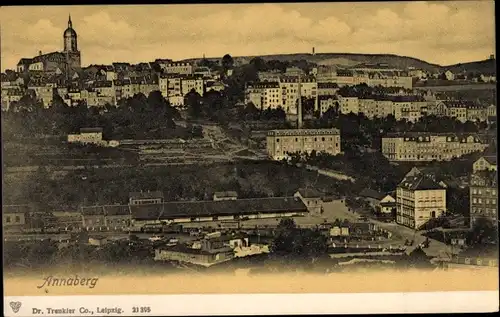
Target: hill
(484, 67)
(352, 59)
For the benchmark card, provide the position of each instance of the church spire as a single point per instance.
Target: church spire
(70, 25)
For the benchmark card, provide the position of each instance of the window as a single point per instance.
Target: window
(7, 219)
(277, 140)
(18, 219)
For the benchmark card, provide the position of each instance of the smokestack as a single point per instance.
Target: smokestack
(299, 106)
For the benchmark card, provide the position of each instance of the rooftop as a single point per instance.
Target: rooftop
(418, 180)
(370, 193)
(172, 210)
(309, 193)
(303, 132)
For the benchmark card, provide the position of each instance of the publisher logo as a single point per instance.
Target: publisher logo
(15, 306)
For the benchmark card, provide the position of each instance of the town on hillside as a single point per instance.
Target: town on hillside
(218, 164)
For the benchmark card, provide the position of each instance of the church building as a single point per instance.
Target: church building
(66, 62)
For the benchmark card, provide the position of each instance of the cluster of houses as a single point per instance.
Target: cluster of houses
(100, 85)
(397, 101)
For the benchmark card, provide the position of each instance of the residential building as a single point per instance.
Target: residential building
(214, 85)
(477, 113)
(419, 198)
(289, 91)
(457, 109)
(140, 198)
(484, 196)
(273, 76)
(327, 89)
(449, 75)
(294, 71)
(409, 110)
(282, 142)
(43, 91)
(387, 204)
(189, 83)
(348, 105)
(228, 195)
(181, 68)
(425, 146)
(327, 102)
(485, 163)
(203, 72)
(263, 94)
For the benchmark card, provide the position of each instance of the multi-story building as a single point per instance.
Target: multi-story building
(409, 110)
(105, 88)
(368, 107)
(294, 71)
(273, 76)
(148, 84)
(456, 109)
(348, 105)
(383, 108)
(484, 196)
(179, 68)
(326, 103)
(477, 113)
(43, 92)
(419, 198)
(189, 83)
(282, 142)
(264, 95)
(424, 146)
(485, 163)
(290, 91)
(327, 89)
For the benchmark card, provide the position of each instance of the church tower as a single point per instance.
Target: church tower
(70, 38)
(73, 59)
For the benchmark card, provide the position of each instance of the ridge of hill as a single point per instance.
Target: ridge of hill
(487, 66)
(352, 59)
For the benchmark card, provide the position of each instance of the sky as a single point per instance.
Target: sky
(445, 32)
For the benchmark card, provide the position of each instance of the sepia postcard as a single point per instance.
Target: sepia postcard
(258, 158)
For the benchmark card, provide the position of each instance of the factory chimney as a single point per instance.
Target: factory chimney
(299, 105)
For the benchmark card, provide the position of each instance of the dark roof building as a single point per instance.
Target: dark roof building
(172, 210)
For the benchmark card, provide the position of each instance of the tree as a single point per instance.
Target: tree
(227, 62)
(483, 231)
(297, 243)
(193, 102)
(258, 63)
